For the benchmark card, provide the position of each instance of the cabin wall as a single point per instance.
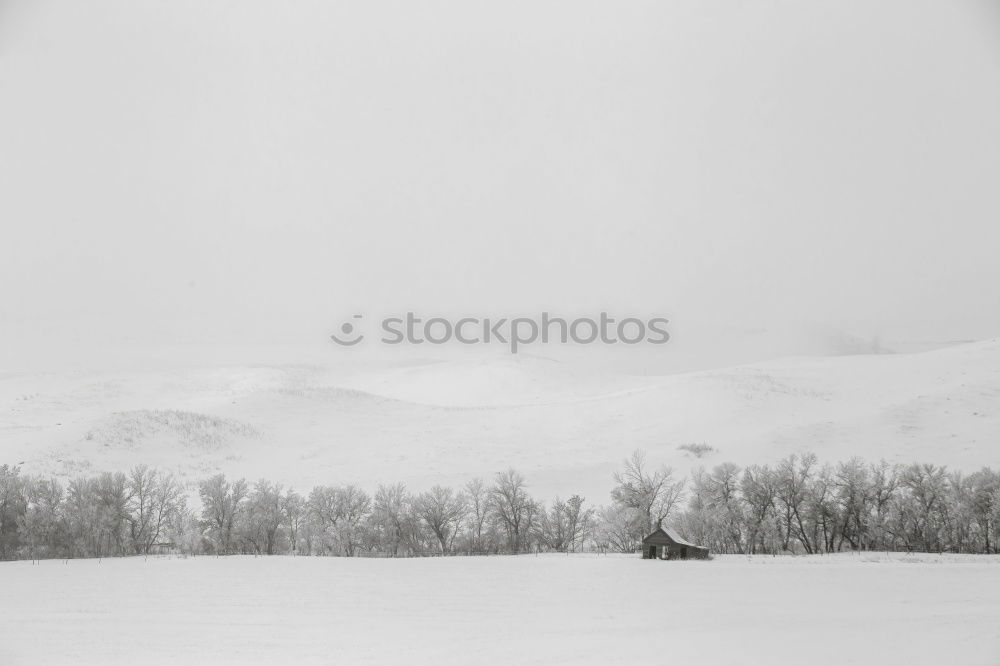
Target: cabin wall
(673, 551)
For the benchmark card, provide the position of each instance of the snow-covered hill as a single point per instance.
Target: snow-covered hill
(564, 427)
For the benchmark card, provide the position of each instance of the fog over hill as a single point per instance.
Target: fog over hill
(217, 173)
(189, 185)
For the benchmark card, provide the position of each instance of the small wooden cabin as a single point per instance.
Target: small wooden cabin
(665, 544)
(163, 548)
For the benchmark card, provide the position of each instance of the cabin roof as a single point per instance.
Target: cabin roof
(673, 536)
(676, 537)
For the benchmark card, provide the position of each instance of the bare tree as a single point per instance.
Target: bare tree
(12, 508)
(758, 489)
(513, 507)
(653, 493)
(222, 503)
(153, 500)
(392, 517)
(985, 501)
(338, 513)
(479, 499)
(579, 522)
(442, 511)
(794, 477)
(617, 527)
(264, 517)
(927, 488)
(566, 524)
(294, 509)
(43, 524)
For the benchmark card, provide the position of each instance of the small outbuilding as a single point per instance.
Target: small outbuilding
(665, 544)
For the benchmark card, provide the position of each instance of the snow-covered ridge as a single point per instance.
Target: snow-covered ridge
(564, 426)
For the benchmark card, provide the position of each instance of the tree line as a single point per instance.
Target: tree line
(795, 506)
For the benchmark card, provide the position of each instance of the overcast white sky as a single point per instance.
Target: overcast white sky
(201, 172)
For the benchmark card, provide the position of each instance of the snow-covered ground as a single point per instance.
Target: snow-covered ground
(565, 427)
(548, 609)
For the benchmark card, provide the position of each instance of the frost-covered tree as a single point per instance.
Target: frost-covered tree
(442, 511)
(13, 504)
(222, 504)
(654, 493)
(514, 509)
(153, 501)
(338, 514)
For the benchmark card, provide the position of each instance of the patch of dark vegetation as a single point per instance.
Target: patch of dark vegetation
(698, 450)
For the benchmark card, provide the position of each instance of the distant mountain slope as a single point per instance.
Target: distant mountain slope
(565, 428)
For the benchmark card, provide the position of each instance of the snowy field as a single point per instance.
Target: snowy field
(844, 609)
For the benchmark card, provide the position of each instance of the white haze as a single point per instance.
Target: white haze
(183, 177)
